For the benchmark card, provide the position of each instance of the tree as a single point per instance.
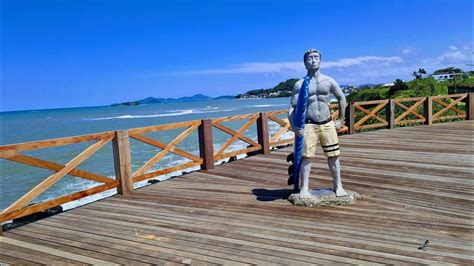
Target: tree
(419, 74)
(399, 86)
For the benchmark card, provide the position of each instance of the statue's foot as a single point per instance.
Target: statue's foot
(340, 192)
(304, 194)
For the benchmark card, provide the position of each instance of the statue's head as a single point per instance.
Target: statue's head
(312, 59)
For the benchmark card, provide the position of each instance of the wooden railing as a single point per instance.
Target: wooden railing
(235, 135)
(448, 106)
(284, 127)
(138, 134)
(13, 153)
(408, 110)
(360, 116)
(368, 114)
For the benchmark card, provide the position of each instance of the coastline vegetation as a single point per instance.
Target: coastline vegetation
(418, 87)
(283, 89)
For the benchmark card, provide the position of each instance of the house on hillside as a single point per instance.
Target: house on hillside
(443, 76)
(450, 76)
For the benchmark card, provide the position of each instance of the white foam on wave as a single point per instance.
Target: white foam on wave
(273, 128)
(267, 105)
(181, 112)
(208, 109)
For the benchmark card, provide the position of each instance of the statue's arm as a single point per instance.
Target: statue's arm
(294, 100)
(339, 94)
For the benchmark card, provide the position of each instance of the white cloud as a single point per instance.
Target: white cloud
(455, 55)
(408, 50)
(298, 67)
(253, 68)
(349, 62)
(356, 70)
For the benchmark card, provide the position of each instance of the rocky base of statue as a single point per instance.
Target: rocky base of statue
(324, 197)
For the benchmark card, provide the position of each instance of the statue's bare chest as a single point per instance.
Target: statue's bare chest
(320, 87)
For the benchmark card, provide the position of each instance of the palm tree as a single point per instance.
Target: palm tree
(419, 74)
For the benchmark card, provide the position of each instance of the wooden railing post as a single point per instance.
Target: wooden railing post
(262, 133)
(470, 106)
(428, 110)
(350, 112)
(206, 148)
(122, 162)
(390, 114)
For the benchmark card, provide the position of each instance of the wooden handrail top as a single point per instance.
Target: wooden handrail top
(278, 112)
(449, 96)
(141, 130)
(233, 118)
(371, 102)
(409, 99)
(7, 150)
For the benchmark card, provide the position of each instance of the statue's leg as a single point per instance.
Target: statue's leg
(335, 168)
(304, 177)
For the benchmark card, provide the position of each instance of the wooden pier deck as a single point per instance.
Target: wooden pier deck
(417, 184)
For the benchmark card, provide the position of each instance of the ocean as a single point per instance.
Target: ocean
(24, 126)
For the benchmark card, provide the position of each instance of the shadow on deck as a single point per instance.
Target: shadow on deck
(416, 184)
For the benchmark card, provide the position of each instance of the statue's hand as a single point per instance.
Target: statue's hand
(338, 124)
(299, 132)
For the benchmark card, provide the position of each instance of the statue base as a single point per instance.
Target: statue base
(324, 197)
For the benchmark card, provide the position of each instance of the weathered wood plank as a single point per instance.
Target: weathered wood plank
(104, 251)
(34, 256)
(54, 252)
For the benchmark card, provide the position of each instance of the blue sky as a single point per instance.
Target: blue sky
(88, 53)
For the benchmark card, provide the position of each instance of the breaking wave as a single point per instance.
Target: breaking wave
(267, 105)
(208, 109)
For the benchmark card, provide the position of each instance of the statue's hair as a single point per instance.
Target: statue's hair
(310, 51)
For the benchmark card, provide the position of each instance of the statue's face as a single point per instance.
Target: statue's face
(313, 61)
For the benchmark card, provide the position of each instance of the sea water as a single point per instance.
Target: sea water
(23, 126)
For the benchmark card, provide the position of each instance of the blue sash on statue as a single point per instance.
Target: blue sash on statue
(299, 118)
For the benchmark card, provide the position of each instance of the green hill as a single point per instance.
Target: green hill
(415, 88)
(283, 89)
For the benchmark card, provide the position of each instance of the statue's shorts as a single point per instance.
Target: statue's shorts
(325, 134)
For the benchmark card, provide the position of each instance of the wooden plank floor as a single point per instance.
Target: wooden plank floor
(416, 183)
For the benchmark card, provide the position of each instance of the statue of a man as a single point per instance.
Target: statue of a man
(315, 123)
